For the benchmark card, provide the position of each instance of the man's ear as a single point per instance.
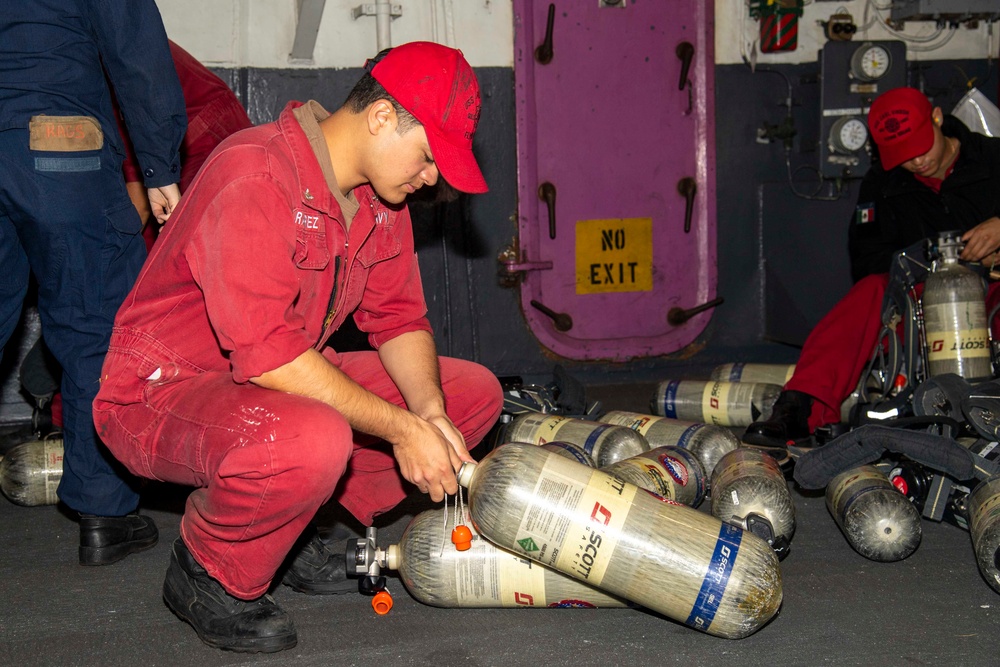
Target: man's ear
(381, 115)
(937, 116)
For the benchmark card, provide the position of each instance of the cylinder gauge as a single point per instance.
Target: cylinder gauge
(870, 62)
(848, 135)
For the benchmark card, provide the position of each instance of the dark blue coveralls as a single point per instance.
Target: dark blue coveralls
(64, 208)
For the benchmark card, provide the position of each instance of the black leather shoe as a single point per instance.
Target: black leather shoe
(314, 568)
(788, 422)
(108, 539)
(221, 620)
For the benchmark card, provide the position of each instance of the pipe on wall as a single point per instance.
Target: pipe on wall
(383, 35)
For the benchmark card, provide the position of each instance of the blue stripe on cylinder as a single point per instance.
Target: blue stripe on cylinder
(713, 586)
(588, 446)
(670, 399)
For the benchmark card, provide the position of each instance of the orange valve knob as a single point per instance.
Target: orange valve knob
(461, 537)
(382, 603)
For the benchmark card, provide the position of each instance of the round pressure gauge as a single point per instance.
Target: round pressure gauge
(870, 62)
(848, 135)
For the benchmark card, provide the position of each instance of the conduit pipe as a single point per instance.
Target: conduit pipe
(383, 16)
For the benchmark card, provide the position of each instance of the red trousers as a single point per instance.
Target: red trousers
(265, 461)
(841, 345)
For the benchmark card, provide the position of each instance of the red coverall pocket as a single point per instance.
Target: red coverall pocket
(310, 249)
(382, 245)
(125, 379)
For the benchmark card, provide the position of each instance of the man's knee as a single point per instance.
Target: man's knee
(473, 397)
(316, 449)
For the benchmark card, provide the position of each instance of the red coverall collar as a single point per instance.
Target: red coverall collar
(312, 188)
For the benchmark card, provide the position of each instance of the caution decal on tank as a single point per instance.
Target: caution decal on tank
(677, 470)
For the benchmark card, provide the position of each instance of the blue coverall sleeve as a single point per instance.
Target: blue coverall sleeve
(136, 54)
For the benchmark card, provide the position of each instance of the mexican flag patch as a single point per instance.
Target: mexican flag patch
(864, 213)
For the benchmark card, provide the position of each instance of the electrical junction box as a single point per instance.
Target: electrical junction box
(944, 10)
(852, 75)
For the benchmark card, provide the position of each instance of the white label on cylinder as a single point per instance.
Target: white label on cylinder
(545, 429)
(715, 402)
(726, 403)
(552, 533)
(53, 452)
(639, 423)
(498, 576)
(946, 343)
(522, 583)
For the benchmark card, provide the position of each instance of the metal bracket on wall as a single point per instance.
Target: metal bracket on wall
(306, 28)
(512, 267)
(368, 9)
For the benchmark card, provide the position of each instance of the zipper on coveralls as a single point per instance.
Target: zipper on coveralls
(331, 308)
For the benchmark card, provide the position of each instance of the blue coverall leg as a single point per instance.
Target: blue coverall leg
(13, 279)
(71, 216)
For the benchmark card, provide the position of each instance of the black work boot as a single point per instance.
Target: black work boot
(313, 567)
(108, 539)
(221, 620)
(788, 422)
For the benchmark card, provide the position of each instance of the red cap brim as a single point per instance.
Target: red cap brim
(920, 142)
(458, 166)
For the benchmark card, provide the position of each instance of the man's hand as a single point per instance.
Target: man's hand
(140, 199)
(163, 200)
(981, 240)
(428, 460)
(454, 437)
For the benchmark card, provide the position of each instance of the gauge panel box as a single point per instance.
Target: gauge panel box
(853, 73)
(944, 10)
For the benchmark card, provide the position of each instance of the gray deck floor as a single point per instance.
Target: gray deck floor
(839, 608)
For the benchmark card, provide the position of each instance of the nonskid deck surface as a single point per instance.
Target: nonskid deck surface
(839, 608)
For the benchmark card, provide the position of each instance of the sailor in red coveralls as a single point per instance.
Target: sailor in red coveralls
(218, 376)
(935, 175)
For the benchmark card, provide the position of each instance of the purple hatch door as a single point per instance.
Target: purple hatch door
(616, 174)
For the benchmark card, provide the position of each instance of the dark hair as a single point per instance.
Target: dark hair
(367, 91)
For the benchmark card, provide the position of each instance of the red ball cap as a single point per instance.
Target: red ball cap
(901, 125)
(437, 85)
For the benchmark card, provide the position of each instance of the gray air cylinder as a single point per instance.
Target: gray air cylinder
(877, 520)
(671, 472)
(707, 441)
(483, 576)
(571, 451)
(30, 472)
(984, 526)
(750, 491)
(661, 555)
(606, 443)
(713, 402)
(954, 306)
(777, 374)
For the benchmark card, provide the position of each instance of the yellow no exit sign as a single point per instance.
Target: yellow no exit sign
(614, 255)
